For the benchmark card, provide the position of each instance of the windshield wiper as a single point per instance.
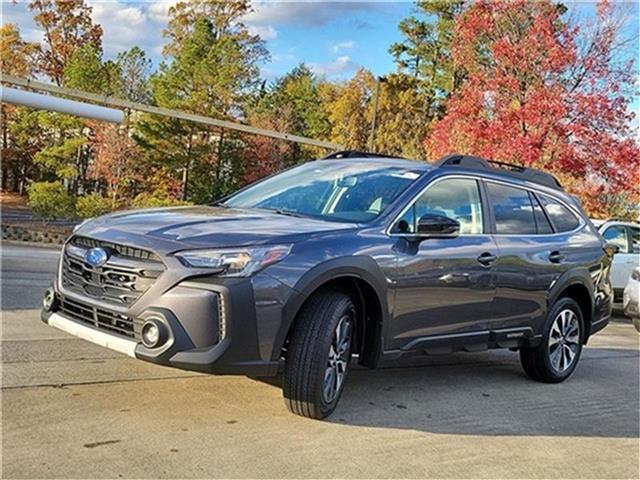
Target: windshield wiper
(288, 213)
(279, 211)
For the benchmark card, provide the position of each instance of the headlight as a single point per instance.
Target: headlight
(635, 275)
(235, 262)
(82, 224)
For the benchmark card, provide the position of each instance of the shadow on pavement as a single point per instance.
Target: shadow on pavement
(489, 394)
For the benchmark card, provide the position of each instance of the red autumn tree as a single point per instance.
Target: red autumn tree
(541, 92)
(262, 155)
(116, 160)
(119, 166)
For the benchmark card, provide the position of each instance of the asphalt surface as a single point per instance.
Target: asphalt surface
(74, 410)
(26, 273)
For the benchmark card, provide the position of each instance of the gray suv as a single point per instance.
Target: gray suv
(354, 254)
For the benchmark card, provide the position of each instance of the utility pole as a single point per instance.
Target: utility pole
(372, 136)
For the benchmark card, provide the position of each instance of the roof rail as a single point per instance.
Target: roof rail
(356, 154)
(509, 169)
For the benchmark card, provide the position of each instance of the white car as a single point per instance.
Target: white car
(631, 298)
(626, 236)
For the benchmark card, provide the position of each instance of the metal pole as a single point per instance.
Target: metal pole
(119, 103)
(60, 105)
(372, 136)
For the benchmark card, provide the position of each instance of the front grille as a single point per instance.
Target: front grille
(98, 317)
(121, 250)
(121, 281)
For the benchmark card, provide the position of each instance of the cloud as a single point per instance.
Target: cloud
(308, 13)
(336, 68)
(159, 11)
(19, 14)
(338, 47)
(128, 24)
(266, 32)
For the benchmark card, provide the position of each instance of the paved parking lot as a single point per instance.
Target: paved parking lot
(71, 409)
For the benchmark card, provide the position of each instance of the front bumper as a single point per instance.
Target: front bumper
(113, 342)
(212, 328)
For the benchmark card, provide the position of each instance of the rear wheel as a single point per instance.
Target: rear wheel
(557, 356)
(319, 354)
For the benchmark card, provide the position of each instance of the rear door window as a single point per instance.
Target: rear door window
(512, 210)
(563, 219)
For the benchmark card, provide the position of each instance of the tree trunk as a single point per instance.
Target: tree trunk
(5, 139)
(185, 170)
(16, 179)
(185, 179)
(21, 183)
(114, 187)
(219, 165)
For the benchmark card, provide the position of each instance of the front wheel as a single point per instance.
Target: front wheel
(318, 355)
(555, 359)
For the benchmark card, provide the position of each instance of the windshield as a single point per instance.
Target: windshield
(356, 191)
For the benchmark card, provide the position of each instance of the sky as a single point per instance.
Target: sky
(334, 38)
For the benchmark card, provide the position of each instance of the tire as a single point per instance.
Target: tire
(636, 323)
(325, 324)
(557, 356)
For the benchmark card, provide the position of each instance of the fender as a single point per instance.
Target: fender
(577, 276)
(362, 267)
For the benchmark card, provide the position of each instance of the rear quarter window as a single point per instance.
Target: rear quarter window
(563, 219)
(542, 222)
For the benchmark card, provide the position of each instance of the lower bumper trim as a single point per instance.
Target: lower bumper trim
(112, 342)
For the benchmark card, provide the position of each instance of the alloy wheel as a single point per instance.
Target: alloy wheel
(338, 361)
(564, 340)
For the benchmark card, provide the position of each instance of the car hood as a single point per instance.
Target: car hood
(175, 228)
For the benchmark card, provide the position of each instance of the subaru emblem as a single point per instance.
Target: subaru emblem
(96, 257)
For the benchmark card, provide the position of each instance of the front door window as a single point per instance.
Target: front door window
(455, 198)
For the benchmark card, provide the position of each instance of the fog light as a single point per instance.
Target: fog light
(151, 334)
(49, 300)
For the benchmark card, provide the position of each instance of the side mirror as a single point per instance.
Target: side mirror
(436, 225)
(612, 248)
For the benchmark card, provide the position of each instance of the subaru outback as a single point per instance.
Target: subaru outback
(355, 255)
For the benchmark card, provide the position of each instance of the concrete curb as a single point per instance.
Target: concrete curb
(32, 235)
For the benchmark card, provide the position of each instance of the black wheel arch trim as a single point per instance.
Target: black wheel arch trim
(571, 278)
(360, 267)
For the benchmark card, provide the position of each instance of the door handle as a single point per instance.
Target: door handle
(556, 257)
(487, 258)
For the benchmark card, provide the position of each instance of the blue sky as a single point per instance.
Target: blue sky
(334, 38)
